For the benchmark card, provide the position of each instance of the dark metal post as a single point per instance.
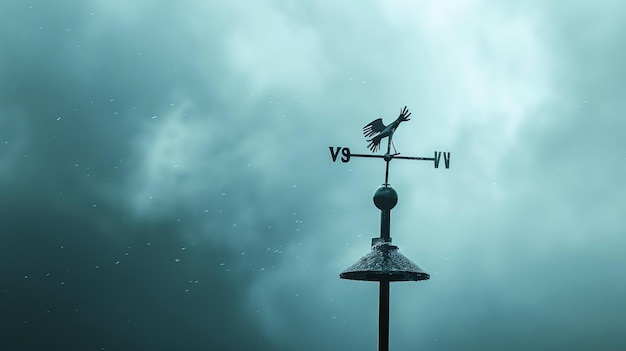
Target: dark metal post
(383, 295)
(383, 316)
(387, 159)
(383, 292)
(385, 219)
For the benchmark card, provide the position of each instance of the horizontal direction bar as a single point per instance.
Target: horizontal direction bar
(415, 158)
(400, 157)
(365, 155)
(344, 152)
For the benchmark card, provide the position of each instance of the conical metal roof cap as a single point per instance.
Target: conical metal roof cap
(384, 262)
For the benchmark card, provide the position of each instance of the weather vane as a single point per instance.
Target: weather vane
(378, 131)
(384, 263)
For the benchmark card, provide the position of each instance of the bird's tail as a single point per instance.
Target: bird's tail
(374, 143)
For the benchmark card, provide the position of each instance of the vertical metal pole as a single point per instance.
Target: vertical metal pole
(383, 295)
(387, 174)
(383, 316)
(387, 162)
(385, 224)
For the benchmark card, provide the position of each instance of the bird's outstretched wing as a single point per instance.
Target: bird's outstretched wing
(374, 144)
(373, 128)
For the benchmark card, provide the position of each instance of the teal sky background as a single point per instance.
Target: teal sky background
(166, 181)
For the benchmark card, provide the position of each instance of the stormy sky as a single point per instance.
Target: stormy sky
(166, 182)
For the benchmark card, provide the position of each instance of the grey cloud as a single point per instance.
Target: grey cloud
(206, 127)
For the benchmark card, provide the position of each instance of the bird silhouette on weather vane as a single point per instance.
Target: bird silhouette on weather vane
(378, 130)
(374, 132)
